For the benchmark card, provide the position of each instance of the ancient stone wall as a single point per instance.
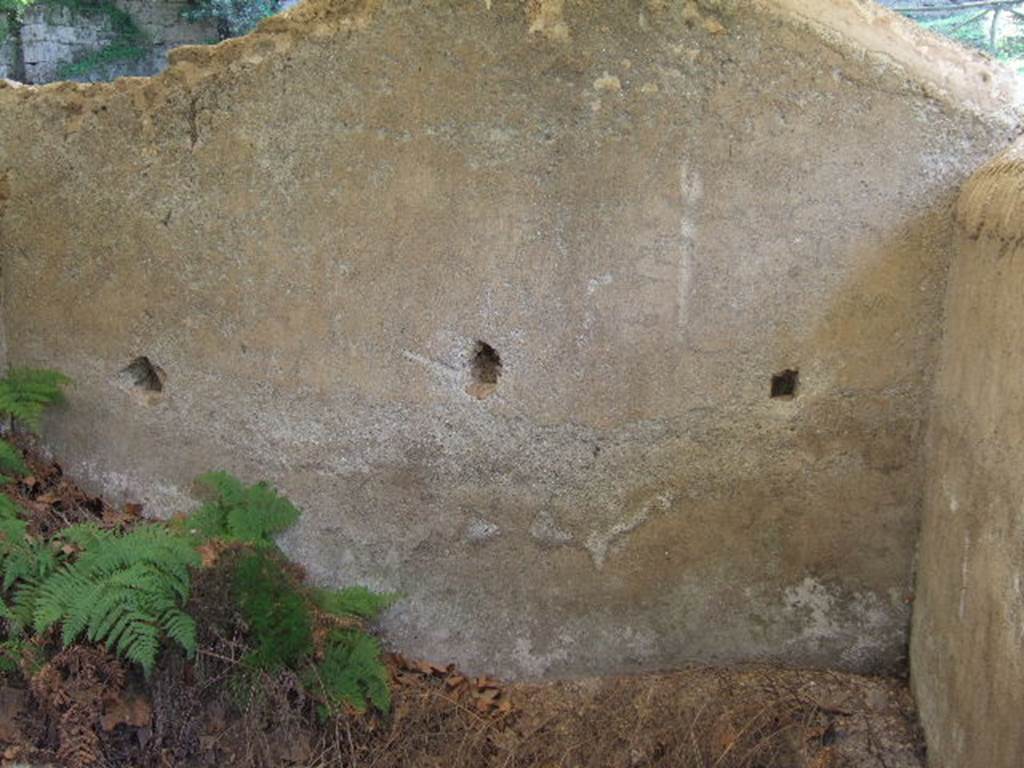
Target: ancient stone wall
(54, 36)
(8, 57)
(603, 331)
(968, 636)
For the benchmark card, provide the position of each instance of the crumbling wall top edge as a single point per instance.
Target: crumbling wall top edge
(960, 77)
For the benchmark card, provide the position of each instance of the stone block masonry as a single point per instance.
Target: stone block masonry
(54, 35)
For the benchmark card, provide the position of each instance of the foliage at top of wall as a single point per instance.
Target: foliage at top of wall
(996, 27)
(10, 16)
(129, 44)
(233, 17)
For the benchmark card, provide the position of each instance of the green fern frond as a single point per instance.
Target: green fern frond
(251, 514)
(126, 590)
(21, 556)
(181, 628)
(24, 563)
(278, 617)
(8, 509)
(85, 535)
(11, 651)
(354, 601)
(11, 462)
(26, 392)
(351, 673)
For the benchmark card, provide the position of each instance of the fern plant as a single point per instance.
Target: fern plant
(251, 514)
(351, 673)
(126, 590)
(25, 563)
(278, 617)
(25, 393)
(359, 602)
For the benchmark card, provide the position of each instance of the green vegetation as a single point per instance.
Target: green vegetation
(24, 394)
(997, 28)
(353, 601)
(249, 514)
(129, 44)
(25, 561)
(129, 589)
(116, 52)
(233, 17)
(350, 674)
(126, 590)
(279, 618)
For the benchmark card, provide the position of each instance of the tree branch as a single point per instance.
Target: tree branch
(990, 4)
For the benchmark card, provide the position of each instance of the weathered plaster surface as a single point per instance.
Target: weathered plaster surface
(968, 640)
(646, 209)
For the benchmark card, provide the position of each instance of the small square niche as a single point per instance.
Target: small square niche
(784, 384)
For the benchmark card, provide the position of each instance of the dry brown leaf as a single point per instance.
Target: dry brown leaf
(209, 552)
(823, 759)
(427, 668)
(135, 711)
(129, 514)
(12, 753)
(12, 704)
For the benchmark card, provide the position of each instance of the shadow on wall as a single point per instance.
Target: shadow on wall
(42, 41)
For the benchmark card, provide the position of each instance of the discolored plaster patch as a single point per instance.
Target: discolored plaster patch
(546, 17)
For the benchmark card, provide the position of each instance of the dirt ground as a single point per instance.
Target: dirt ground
(83, 707)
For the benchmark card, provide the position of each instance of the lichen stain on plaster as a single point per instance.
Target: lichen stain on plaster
(545, 531)
(691, 190)
(711, 25)
(825, 616)
(599, 542)
(608, 83)
(964, 574)
(546, 18)
(596, 282)
(480, 530)
(814, 605)
(5, 191)
(538, 664)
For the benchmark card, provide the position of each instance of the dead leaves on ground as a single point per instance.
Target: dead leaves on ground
(82, 690)
(485, 695)
(54, 502)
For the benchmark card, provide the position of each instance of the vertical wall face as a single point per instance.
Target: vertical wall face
(328, 235)
(968, 637)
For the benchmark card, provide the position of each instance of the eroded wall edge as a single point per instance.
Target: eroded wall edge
(934, 65)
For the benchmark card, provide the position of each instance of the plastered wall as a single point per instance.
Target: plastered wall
(968, 639)
(328, 235)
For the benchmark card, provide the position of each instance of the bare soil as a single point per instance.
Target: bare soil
(82, 707)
